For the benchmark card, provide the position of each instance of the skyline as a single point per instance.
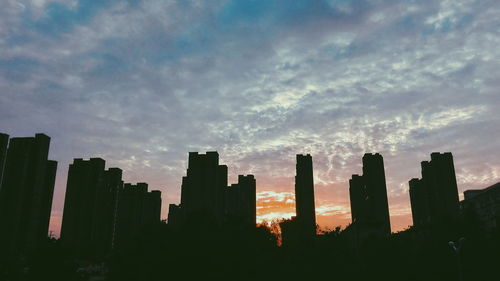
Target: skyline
(142, 83)
(372, 164)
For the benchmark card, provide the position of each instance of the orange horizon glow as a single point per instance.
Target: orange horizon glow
(275, 206)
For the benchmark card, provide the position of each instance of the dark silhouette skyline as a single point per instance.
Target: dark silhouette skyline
(141, 83)
(394, 117)
(322, 218)
(206, 194)
(118, 224)
(101, 212)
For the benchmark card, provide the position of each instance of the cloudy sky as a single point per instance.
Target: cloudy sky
(142, 83)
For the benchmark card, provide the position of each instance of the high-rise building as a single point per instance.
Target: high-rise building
(376, 190)
(4, 141)
(419, 202)
(137, 209)
(80, 231)
(48, 195)
(304, 195)
(444, 186)
(175, 216)
(203, 188)
(241, 201)
(106, 209)
(434, 197)
(101, 212)
(26, 192)
(206, 200)
(357, 195)
(291, 233)
(485, 205)
(130, 212)
(152, 207)
(368, 196)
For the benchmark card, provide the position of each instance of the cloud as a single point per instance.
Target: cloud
(141, 83)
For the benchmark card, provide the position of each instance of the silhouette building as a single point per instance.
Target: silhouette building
(152, 207)
(357, 195)
(81, 218)
(419, 199)
(206, 198)
(301, 229)
(241, 201)
(4, 141)
(100, 211)
(26, 192)
(434, 197)
(203, 188)
(368, 197)
(304, 195)
(107, 200)
(175, 217)
(485, 204)
(376, 190)
(137, 209)
(291, 233)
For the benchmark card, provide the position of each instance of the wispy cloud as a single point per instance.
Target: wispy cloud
(141, 83)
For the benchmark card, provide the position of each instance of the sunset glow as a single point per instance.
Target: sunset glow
(142, 83)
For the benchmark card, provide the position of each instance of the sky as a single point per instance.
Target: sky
(142, 83)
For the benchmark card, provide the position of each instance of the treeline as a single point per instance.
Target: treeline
(236, 252)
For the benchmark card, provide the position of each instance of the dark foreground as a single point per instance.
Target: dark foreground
(160, 253)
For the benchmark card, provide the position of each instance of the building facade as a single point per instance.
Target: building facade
(485, 203)
(203, 189)
(357, 195)
(419, 198)
(434, 197)
(376, 190)
(241, 201)
(206, 199)
(4, 141)
(304, 195)
(81, 231)
(368, 198)
(107, 199)
(101, 213)
(26, 192)
(137, 209)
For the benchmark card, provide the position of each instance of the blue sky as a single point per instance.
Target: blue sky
(141, 83)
